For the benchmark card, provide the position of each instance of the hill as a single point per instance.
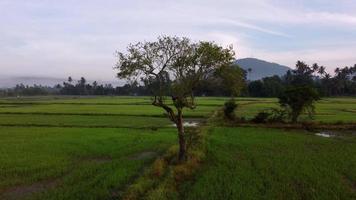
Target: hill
(261, 68)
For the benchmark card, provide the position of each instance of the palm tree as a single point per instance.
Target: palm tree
(321, 70)
(249, 70)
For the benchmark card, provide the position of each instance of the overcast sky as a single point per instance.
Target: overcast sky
(79, 37)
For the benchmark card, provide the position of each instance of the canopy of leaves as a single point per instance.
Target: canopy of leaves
(174, 66)
(303, 74)
(298, 100)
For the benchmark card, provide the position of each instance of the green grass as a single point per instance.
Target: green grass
(328, 110)
(86, 163)
(133, 110)
(256, 163)
(83, 121)
(77, 99)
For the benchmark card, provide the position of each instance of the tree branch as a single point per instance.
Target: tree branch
(158, 102)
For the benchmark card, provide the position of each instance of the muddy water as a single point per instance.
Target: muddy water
(329, 134)
(189, 124)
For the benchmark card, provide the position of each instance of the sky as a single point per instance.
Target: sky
(80, 37)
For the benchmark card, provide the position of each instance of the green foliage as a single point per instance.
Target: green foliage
(296, 100)
(343, 83)
(267, 87)
(229, 109)
(270, 115)
(302, 74)
(278, 115)
(231, 78)
(261, 117)
(174, 66)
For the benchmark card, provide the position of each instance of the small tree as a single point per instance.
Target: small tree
(232, 78)
(299, 99)
(173, 66)
(229, 109)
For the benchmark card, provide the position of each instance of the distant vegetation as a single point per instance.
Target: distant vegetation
(70, 87)
(342, 83)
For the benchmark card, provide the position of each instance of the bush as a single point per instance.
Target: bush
(242, 119)
(296, 100)
(272, 115)
(261, 117)
(229, 109)
(193, 136)
(158, 167)
(278, 115)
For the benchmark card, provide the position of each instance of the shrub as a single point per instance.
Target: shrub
(242, 119)
(309, 126)
(229, 109)
(261, 117)
(298, 99)
(158, 167)
(339, 122)
(271, 115)
(278, 115)
(193, 137)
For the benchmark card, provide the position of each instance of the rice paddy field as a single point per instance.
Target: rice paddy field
(95, 147)
(260, 163)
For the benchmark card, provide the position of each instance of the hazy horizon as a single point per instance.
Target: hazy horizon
(66, 38)
(8, 81)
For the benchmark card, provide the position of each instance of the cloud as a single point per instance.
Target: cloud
(331, 18)
(70, 38)
(330, 57)
(253, 27)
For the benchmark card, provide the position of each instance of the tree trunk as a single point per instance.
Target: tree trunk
(181, 137)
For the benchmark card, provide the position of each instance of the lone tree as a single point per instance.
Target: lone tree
(172, 67)
(298, 99)
(232, 78)
(301, 94)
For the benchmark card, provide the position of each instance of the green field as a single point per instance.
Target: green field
(257, 163)
(327, 110)
(95, 147)
(70, 162)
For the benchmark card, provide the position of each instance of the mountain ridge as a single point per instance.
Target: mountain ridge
(261, 68)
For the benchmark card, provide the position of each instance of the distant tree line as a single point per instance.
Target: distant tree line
(82, 87)
(26, 90)
(342, 83)
(71, 87)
